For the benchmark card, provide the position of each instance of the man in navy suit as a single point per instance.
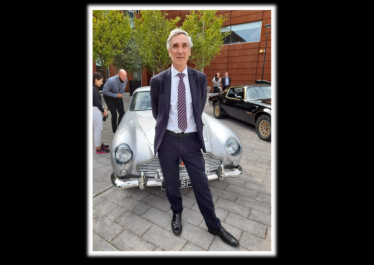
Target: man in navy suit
(226, 80)
(178, 97)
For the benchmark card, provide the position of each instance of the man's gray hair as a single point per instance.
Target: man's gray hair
(178, 31)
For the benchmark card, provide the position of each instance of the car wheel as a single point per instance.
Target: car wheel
(217, 111)
(263, 127)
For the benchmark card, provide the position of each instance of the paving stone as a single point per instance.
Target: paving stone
(246, 225)
(252, 203)
(257, 188)
(191, 216)
(134, 206)
(233, 207)
(191, 194)
(223, 194)
(136, 193)
(191, 247)
(159, 218)
(158, 202)
(249, 178)
(239, 181)
(133, 223)
(164, 239)
(263, 197)
(260, 175)
(187, 201)
(106, 228)
(220, 213)
(254, 243)
(232, 230)
(260, 216)
(98, 187)
(218, 184)
(197, 236)
(98, 175)
(116, 212)
(115, 195)
(100, 244)
(95, 213)
(104, 160)
(158, 249)
(242, 191)
(219, 245)
(103, 168)
(156, 191)
(268, 234)
(97, 200)
(105, 207)
(128, 241)
(267, 183)
(184, 191)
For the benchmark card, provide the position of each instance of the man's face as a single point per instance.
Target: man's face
(179, 51)
(122, 75)
(226, 74)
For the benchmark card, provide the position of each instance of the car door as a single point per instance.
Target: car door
(239, 105)
(228, 101)
(250, 107)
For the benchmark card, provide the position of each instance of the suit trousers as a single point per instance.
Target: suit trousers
(115, 104)
(189, 149)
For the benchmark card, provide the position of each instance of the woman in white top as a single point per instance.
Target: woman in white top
(216, 83)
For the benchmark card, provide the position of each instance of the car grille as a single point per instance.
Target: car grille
(149, 168)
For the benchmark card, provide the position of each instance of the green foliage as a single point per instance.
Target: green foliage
(152, 31)
(129, 59)
(111, 33)
(205, 31)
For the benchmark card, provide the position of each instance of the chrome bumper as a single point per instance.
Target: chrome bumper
(143, 181)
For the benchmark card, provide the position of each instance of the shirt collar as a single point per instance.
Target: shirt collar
(174, 71)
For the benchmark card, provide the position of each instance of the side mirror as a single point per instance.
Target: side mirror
(239, 97)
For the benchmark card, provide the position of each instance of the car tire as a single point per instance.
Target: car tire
(263, 127)
(217, 111)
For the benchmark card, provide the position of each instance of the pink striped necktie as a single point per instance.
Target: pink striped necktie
(182, 112)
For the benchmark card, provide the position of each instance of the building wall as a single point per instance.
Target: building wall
(242, 61)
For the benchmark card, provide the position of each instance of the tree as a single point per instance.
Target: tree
(111, 32)
(205, 31)
(129, 59)
(152, 32)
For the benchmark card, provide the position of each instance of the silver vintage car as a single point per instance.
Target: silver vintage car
(132, 155)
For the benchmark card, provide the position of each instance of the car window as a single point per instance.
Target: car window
(141, 101)
(235, 91)
(259, 92)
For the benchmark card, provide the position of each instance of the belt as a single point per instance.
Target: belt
(183, 134)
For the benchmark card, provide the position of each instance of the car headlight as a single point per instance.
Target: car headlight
(123, 154)
(233, 147)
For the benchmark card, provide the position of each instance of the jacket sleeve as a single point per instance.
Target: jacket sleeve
(106, 89)
(154, 97)
(96, 100)
(204, 91)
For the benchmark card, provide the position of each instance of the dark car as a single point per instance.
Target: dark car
(249, 103)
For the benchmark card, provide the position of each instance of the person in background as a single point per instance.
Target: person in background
(226, 80)
(112, 91)
(216, 83)
(97, 113)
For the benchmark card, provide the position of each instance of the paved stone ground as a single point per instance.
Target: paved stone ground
(139, 220)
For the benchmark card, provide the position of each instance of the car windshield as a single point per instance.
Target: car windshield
(258, 92)
(141, 101)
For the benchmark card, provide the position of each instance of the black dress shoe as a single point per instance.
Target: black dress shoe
(225, 236)
(176, 224)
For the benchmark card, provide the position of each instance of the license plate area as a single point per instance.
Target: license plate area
(186, 183)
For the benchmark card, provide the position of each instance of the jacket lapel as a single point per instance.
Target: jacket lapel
(193, 85)
(167, 88)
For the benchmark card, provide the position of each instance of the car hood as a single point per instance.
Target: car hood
(147, 123)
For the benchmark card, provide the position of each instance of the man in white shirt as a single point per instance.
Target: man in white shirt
(178, 97)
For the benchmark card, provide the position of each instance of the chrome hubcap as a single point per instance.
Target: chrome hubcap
(264, 128)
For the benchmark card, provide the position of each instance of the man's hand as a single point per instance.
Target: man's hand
(119, 95)
(105, 113)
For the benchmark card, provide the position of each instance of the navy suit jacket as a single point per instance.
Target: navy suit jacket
(223, 81)
(160, 102)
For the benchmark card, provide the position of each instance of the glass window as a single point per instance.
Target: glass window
(259, 92)
(247, 32)
(141, 101)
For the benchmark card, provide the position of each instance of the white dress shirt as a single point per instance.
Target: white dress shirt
(173, 113)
